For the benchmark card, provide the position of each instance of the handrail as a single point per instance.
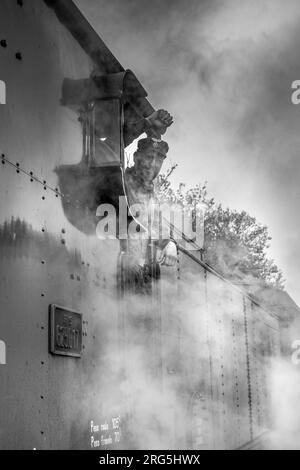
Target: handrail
(208, 268)
(252, 442)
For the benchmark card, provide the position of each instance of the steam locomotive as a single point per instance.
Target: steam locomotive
(85, 364)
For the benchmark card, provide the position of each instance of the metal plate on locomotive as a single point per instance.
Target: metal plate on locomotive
(65, 331)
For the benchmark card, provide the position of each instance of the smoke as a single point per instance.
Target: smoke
(285, 386)
(177, 378)
(224, 71)
(122, 378)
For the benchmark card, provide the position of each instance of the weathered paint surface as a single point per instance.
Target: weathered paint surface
(44, 259)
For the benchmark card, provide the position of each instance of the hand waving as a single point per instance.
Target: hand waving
(158, 122)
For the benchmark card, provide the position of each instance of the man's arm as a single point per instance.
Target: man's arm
(154, 125)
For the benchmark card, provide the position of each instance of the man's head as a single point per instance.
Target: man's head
(149, 157)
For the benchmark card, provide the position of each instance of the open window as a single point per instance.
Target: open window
(107, 133)
(102, 133)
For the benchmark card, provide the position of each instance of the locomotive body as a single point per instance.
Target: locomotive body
(82, 364)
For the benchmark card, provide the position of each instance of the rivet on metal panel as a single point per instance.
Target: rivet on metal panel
(42, 397)
(63, 230)
(20, 3)
(43, 262)
(63, 242)
(43, 230)
(3, 43)
(3, 158)
(42, 295)
(43, 198)
(42, 362)
(72, 276)
(18, 56)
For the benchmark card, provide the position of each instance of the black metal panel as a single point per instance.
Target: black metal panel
(65, 331)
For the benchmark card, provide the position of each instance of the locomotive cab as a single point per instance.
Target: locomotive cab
(108, 107)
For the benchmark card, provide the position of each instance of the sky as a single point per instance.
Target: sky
(223, 69)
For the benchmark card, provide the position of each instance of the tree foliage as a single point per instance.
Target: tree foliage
(235, 243)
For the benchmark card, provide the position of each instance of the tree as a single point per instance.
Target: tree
(235, 243)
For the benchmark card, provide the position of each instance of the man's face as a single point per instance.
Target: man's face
(148, 164)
